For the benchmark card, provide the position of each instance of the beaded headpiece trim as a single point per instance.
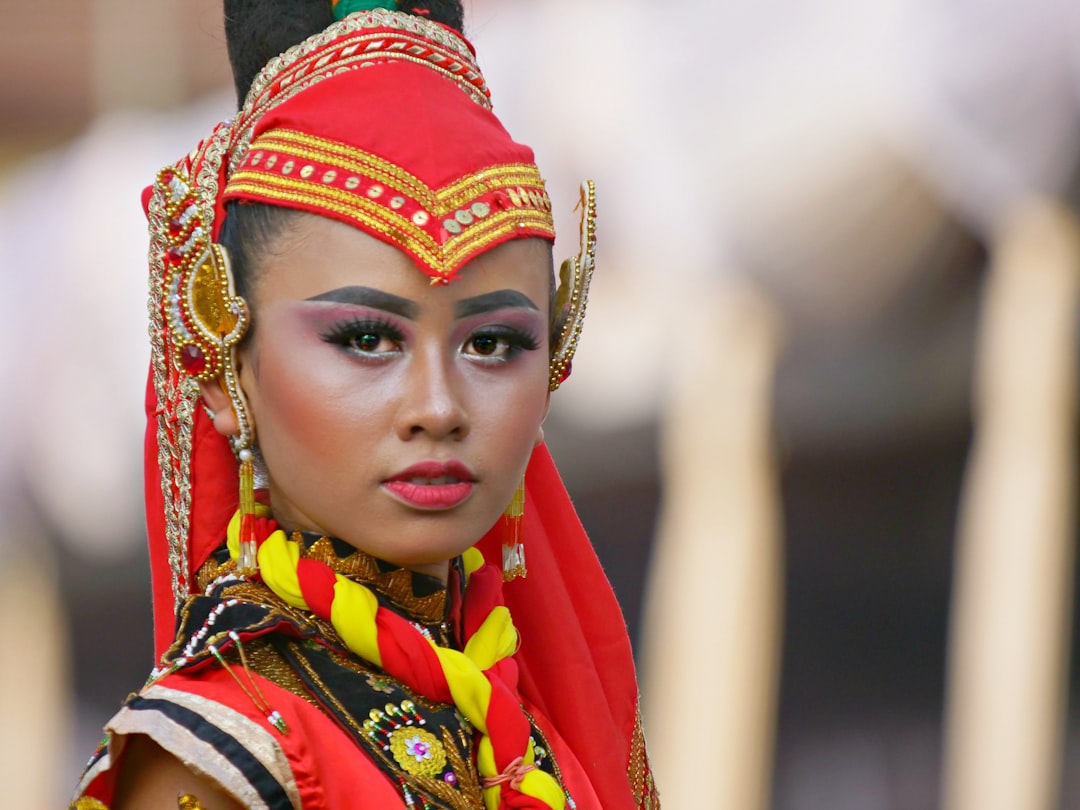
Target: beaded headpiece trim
(441, 228)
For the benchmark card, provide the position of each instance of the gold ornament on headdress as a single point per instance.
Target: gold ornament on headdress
(206, 320)
(575, 275)
(205, 317)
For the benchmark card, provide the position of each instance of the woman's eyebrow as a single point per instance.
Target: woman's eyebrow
(499, 299)
(369, 297)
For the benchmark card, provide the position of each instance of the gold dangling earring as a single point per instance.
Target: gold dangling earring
(248, 562)
(513, 552)
(243, 442)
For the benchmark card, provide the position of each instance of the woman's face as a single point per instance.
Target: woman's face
(393, 414)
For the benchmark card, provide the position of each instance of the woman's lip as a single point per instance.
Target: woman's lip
(432, 485)
(431, 470)
(430, 496)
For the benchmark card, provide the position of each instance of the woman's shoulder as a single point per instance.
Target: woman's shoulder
(153, 777)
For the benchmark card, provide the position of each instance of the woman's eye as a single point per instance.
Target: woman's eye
(499, 344)
(488, 345)
(367, 342)
(365, 338)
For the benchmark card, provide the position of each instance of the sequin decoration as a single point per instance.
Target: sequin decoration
(398, 731)
(204, 315)
(442, 227)
(380, 684)
(418, 751)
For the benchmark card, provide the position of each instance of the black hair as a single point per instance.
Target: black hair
(248, 232)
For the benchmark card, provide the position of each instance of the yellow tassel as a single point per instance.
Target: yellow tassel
(249, 561)
(513, 547)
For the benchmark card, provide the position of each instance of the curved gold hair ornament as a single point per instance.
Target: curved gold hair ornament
(205, 316)
(575, 275)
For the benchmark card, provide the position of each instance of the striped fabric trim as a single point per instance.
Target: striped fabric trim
(237, 753)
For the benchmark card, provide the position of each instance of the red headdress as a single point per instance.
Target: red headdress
(382, 121)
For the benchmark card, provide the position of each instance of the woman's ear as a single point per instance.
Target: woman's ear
(224, 417)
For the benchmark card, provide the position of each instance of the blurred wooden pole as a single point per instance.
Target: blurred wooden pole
(714, 609)
(1012, 594)
(34, 690)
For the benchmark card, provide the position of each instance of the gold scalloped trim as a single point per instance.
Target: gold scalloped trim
(441, 227)
(395, 584)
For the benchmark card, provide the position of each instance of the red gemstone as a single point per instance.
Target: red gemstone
(175, 256)
(192, 359)
(175, 226)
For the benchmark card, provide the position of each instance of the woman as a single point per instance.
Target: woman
(353, 315)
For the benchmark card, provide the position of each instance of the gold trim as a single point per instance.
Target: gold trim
(176, 402)
(440, 201)
(512, 197)
(575, 276)
(428, 35)
(332, 200)
(397, 584)
(344, 158)
(641, 778)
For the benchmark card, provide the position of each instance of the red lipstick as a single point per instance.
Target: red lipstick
(432, 485)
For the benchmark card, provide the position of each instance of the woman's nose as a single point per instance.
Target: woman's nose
(432, 404)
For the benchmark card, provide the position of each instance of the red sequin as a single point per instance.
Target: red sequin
(192, 359)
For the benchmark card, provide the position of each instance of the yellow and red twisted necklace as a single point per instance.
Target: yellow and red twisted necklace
(481, 680)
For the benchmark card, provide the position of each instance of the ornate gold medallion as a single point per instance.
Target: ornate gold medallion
(417, 751)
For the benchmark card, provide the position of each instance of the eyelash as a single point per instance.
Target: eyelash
(516, 341)
(347, 333)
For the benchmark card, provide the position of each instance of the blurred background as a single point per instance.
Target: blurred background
(844, 165)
